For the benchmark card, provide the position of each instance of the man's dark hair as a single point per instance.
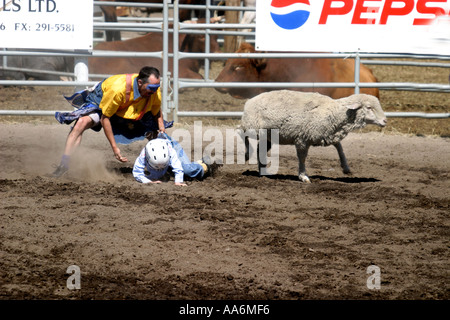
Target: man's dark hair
(147, 72)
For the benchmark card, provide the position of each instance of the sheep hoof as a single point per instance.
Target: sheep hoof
(304, 178)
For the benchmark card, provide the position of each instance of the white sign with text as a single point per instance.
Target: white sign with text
(46, 24)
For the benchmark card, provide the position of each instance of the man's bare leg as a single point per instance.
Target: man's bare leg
(72, 142)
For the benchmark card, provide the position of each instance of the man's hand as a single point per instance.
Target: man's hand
(159, 119)
(182, 184)
(106, 124)
(118, 155)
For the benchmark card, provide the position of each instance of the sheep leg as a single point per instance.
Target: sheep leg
(342, 158)
(262, 155)
(301, 154)
(247, 148)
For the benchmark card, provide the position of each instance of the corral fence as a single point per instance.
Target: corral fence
(170, 98)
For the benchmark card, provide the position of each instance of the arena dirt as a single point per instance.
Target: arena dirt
(234, 235)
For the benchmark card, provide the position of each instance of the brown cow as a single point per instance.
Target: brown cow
(291, 70)
(151, 42)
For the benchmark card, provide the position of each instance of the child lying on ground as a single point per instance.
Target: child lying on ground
(163, 153)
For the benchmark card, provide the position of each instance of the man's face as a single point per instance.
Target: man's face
(148, 88)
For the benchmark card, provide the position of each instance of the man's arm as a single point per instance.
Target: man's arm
(106, 124)
(160, 121)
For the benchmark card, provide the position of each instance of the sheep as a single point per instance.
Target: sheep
(307, 119)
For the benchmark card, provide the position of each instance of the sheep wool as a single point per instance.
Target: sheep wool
(307, 119)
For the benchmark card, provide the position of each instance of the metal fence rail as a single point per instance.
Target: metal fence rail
(170, 101)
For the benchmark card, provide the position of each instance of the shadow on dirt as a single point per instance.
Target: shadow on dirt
(291, 177)
(345, 179)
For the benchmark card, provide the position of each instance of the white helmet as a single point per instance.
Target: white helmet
(157, 154)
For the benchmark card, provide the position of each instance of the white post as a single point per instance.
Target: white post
(81, 71)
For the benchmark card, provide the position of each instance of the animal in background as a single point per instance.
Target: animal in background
(291, 70)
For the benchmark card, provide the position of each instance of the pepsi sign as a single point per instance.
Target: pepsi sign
(294, 18)
(389, 26)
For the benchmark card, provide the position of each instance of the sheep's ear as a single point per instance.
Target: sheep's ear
(354, 106)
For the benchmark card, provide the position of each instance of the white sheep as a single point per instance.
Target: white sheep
(307, 119)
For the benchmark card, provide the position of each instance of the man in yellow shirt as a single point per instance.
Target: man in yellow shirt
(125, 105)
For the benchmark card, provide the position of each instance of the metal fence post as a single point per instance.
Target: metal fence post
(207, 38)
(176, 34)
(4, 59)
(165, 57)
(357, 71)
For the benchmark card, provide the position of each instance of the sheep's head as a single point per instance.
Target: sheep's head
(371, 106)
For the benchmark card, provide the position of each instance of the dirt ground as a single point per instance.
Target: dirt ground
(234, 235)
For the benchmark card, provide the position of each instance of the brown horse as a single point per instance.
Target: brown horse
(110, 13)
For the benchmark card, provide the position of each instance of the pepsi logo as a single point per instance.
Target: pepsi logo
(290, 14)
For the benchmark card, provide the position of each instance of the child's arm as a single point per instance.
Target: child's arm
(139, 169)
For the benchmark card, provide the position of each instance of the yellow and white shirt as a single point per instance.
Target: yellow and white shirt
(115, 102)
